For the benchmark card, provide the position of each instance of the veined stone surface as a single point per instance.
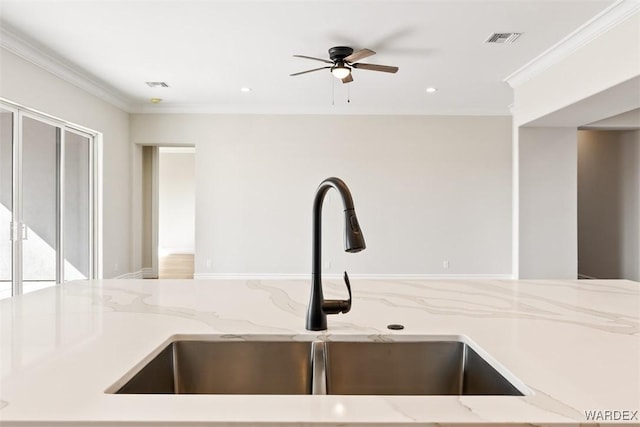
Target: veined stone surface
(575, 344)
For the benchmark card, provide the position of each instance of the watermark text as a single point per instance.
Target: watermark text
(611, 415)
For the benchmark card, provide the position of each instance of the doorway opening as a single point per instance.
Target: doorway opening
(169, 212)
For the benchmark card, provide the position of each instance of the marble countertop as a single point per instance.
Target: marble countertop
(574, 344)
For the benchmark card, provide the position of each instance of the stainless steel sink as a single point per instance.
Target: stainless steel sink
(411, 368)
(226, 367)
(352, 367)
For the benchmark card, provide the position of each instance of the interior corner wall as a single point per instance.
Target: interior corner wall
(29, 85)
(547, 203)
(609, 204)
(426, 190)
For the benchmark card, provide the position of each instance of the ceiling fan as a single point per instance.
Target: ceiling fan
(343, 59)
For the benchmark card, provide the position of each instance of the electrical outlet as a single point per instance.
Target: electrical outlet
(116, 267)
(209, 263)
(327, 265)
(445, 265)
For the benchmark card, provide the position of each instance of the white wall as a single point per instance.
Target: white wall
(177, 202)
(426, 189)
(548, 203)
(609, 204)
(31, 86)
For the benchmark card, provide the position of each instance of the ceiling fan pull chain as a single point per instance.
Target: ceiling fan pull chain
(348, 94)
(333, 91)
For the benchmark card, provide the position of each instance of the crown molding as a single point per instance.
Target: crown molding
(57, 66)
(343, 110)
(592, 29)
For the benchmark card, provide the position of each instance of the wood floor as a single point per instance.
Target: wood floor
(175, 266)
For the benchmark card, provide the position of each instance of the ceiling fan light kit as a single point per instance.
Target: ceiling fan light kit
(340, 71)
(343, 60)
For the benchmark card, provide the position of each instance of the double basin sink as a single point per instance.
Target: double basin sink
(246, 365)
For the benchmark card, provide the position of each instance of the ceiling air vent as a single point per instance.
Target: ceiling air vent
(157, 84)
(502, 37)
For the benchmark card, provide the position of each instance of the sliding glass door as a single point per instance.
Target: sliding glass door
(76, 212)
(38, 228)
(7, 118)
(46, 202)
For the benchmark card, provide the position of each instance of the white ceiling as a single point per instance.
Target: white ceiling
(207, 50)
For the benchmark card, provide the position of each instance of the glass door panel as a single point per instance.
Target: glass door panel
(40, 145)
(6, 202)
(77, 207)
(47, 202)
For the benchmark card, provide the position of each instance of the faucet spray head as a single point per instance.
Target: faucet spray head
(353, 238)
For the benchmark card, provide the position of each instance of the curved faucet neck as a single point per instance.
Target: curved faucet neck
(321, 192)
(354, 242)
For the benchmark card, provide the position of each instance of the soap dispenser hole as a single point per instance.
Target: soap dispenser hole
(395, 327)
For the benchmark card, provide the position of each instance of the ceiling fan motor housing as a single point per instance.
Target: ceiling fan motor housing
(338, 53)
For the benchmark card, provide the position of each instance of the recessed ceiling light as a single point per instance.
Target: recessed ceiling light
(245, 89)
(155, 100)
(157, 84)
(431, 90)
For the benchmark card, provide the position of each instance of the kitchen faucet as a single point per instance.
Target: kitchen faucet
(353, 242)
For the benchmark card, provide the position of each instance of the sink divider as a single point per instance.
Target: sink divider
(319, 368)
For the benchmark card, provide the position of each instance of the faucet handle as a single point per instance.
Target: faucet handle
(335, 306)
(348, 302)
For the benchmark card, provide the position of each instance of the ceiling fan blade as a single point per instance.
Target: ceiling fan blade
(361, 54)
(309, 71)
(348, 79)
(376, 67)
(315, 59)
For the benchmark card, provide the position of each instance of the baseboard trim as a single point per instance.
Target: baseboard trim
(147, 273)
(220, 276)
(135, 275)
(584, 276)
(176, 251)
